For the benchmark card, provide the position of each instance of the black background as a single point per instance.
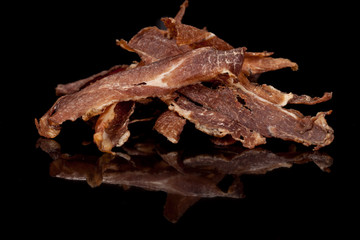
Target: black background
(51, 43)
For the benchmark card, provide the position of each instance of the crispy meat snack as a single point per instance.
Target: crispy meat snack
(202, 79)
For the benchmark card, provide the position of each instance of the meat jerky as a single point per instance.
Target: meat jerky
(111, 127)
(258, 63)
(240, 113)
(179, 16)
(254, 63)
(307, 100)
(156, 79)
(192, 36)
(152, 45)
(63, 89)
(215, 123)
(277, 97)
(170, 124)
(287, 124)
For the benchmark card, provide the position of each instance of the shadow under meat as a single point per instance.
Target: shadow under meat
(184, 174)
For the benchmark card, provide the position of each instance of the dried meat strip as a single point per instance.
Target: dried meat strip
(192, 36)
(112, 126)
(272, 120)
(258, 63)
(215, 123)
(179, 16)
(230, 111)
(151, 44)
(64, 89)
(170, 124)
(273, 95)
(156, 79)
(254, 63)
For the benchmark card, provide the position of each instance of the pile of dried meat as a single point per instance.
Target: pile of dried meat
(202, 79)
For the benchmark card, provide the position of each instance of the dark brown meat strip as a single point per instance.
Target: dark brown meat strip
(151, 45)
(179, 16)
(242, 107)
(192, 36)
(271, 120)
(257, 63)
(63, 89)
(170, 124)
(112, 126)
(215, 123)
(156, 79)
(273, 95)
(307, 100)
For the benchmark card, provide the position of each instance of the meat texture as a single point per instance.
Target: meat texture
(156, 79)
(249, 117)
(111, 127)
(64, 89)
(175, 64)
(170, 124)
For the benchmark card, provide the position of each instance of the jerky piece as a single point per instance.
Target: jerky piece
(258, 63)
(277, 97)
(305, 99)
(112, 126)
(215, 123)
(251, 111)
(63, 89)
(156, 79)
(151, 45)
(179, 16)
(170, 124)
(192, 36)
(271, 120)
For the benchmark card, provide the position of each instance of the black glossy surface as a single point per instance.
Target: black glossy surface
(63, 43)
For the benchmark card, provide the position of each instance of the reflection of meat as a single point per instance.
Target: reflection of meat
(186, 177)
(254, 161)
(202, 79)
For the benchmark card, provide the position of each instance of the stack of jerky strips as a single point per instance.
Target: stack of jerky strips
(202, 79)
